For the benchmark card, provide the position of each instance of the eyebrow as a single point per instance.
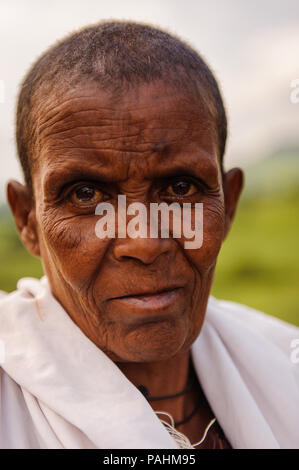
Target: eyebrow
(56, 180)
(204, 169)
(205, 173)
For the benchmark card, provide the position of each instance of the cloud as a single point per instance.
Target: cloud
(262, 116)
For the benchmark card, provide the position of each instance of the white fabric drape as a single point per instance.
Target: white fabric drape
(58, 390)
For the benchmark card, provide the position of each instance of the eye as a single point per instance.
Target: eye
(86, 195)
(182, 188)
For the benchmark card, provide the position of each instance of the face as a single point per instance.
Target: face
(137, 299)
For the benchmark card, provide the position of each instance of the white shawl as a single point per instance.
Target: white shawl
(58, 390)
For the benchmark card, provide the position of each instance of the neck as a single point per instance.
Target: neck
(169, 377)
(162, 378)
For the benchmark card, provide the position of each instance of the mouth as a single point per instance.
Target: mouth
(159, 300)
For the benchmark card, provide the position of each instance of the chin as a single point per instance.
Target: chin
(142, 356)
(152, 342)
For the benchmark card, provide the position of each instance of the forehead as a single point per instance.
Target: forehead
(143, 128)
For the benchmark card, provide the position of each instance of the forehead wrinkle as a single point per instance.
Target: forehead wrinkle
(124, 114)
(131, 140)
(47, 111)
(62, 113)
(128, 129)
(59, 125)
(61, 130)
(161, 156)
(150, 135)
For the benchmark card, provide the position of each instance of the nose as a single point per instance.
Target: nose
(146, 250)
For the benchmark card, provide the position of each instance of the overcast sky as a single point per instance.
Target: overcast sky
(253, 47)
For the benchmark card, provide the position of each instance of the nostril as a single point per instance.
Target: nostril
(145, 250)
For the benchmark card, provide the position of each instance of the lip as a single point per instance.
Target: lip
(161, 300)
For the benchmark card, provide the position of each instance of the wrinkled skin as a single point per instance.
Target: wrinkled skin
(139, 145)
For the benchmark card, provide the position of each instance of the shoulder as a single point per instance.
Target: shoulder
(283, 335)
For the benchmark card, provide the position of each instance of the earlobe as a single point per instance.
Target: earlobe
(233, 182)
(22, 206)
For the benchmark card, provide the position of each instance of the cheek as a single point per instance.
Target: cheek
(71, 247)
(203, 261)
(204, 258)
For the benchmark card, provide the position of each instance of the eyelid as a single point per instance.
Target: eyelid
(69, 188)
(190, 179)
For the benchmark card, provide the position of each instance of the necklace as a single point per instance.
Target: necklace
(179, 437)
(145, 392)
(187, 389)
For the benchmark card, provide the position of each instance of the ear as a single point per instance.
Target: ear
(232, 187)
(22, 206)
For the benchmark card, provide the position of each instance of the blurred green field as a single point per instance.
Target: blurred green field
(258, 264)
(15, 261)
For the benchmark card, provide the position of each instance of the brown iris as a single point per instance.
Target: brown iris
(182, 188)
(86, 195)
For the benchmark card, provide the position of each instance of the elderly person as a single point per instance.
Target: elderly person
(120, 345)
